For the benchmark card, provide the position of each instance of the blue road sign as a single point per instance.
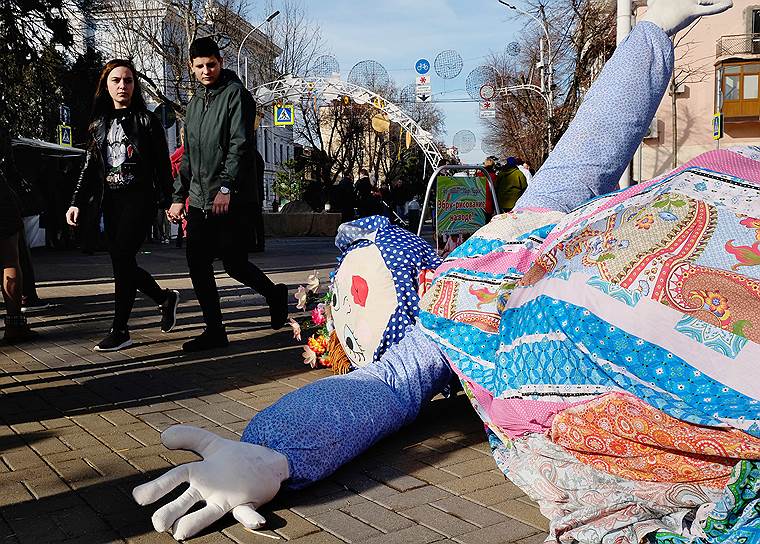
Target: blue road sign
(283, 115)
(422, 66)
(64, 135)
(64, 114)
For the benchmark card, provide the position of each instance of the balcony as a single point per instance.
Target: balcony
(738, 45)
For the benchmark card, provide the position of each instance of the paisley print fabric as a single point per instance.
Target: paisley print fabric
(587, 505)
(622, 435)
(734, 519)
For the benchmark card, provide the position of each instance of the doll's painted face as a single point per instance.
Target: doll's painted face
(363, 301)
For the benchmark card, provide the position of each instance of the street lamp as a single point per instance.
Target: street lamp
(254, 29)
(547, 72)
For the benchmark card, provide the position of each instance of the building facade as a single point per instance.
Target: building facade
(717, 72)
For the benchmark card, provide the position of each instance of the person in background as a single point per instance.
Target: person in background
(176, 160)
(258, 210)
(127, 170)
(365, 202)
(31, 203)
(11, 225)
(218, 173)
(490, 166)
(313, 195)
(30, 300)
(510, 185)
(341, 196)
(524, 167)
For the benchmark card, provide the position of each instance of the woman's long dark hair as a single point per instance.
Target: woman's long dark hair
(102, 105)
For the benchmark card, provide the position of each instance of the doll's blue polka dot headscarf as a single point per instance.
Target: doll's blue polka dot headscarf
(405, 255)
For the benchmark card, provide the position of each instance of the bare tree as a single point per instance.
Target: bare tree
(345, 136)
(583, 37)
(299, 37)
(687, 70)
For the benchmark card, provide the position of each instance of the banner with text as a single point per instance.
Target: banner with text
(460, 210)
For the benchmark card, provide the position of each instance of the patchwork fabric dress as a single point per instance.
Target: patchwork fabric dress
(614, 351)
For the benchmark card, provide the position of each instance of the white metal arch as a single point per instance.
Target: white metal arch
(291, 88)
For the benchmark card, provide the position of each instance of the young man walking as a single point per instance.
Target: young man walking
(218, 172)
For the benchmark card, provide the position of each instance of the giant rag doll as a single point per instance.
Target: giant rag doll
(608, 340)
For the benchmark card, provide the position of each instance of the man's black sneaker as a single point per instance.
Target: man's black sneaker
(115, 341)
(169, 310)
(208, 339)
(278, 306)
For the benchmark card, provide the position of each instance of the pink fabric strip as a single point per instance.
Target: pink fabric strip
(516, 417)
(497, 262)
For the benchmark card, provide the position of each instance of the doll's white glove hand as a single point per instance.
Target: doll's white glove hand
(233, 476)
(675, 15)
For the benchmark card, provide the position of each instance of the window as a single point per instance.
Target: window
(756, 21)
(740, 85)
(750, 87)
(282, 157)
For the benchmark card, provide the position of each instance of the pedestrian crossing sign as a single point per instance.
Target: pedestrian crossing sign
(64, 135)
(283, 115)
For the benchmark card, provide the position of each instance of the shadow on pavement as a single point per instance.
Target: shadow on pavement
(146, 380)
(98, 513)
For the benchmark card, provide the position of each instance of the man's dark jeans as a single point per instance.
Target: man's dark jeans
(226, 237)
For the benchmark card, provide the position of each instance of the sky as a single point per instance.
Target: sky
(396, 33)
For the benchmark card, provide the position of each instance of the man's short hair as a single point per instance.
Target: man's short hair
(204, 47)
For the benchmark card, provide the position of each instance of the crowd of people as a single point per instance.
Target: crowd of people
(364, 197)
(509, 180)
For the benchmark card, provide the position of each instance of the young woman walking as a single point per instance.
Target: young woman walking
(127, 170)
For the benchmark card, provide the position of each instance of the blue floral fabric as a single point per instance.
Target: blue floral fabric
(325, 424)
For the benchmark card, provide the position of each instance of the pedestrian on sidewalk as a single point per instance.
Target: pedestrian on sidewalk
(176, 160)
(218, 172)
(510, 185)
(127, 171)
(31, 203)
(259, 242)
(11, 226)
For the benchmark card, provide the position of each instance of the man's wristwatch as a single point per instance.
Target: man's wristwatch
(224, 190)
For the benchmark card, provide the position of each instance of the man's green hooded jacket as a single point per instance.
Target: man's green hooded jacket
(219, 145)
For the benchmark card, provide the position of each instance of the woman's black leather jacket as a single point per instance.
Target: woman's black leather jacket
(146, 134)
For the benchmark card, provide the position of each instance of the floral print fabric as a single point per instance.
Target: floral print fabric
(622, 435)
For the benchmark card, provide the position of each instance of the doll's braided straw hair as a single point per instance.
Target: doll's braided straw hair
(338, 360)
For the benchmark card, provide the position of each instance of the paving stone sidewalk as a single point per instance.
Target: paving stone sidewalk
(79, 429)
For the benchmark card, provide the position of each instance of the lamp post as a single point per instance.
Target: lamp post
(546, 90)
(254, 29)
(548, 80)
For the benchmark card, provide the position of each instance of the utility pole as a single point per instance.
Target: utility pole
(546, 70)
(624, 19)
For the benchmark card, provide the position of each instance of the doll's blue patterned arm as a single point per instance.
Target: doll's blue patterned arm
(329, 422)
(608, 127)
